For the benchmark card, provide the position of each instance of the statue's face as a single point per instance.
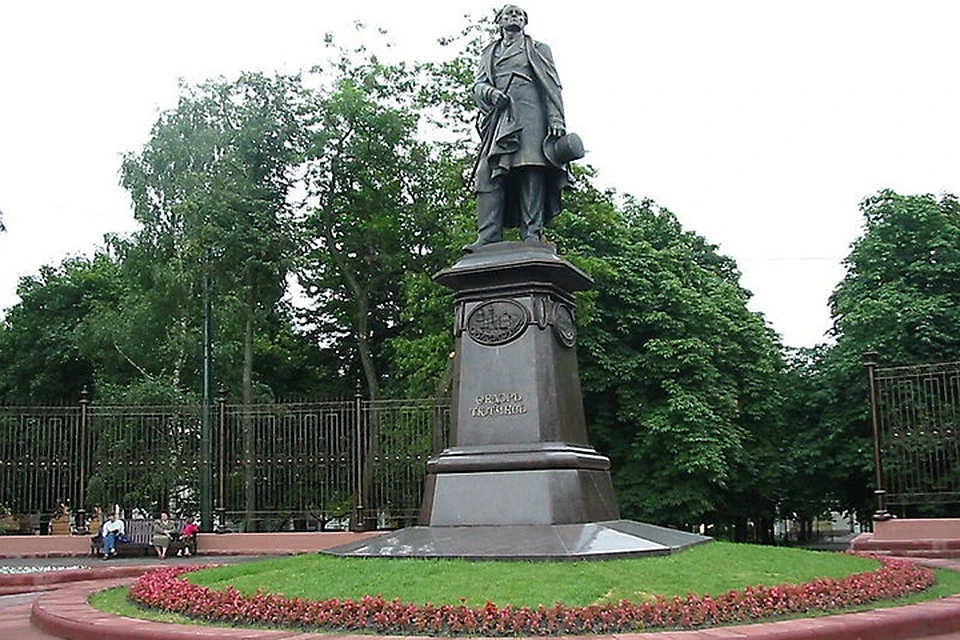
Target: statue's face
(512, 18)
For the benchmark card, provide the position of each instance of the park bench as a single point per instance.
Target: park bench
(140, 535)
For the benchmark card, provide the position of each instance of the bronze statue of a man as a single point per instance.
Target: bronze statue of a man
(523, 161)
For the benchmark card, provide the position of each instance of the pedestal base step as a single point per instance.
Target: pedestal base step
(518, 498)
(587, 541)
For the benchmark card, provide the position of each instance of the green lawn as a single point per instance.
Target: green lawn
(709, 568)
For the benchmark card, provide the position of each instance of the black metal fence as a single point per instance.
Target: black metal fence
(351, 463)
(916, 421)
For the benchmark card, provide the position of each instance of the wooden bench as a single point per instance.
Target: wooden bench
(140, 534)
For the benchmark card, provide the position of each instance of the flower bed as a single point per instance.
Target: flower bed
(166, 589)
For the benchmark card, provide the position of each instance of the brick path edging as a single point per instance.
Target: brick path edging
(11, 583)
(65, 613)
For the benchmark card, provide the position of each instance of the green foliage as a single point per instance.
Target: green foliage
(679, 377)
(381, 202)
(810, 477)
(211, 190)
(901, 294)
(43, 353)
(900, 297)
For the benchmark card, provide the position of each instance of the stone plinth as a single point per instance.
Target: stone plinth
(519, 480)
(519, 453)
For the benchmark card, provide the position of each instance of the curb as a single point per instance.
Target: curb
(14, 583)
(66, 614)
(62, 555)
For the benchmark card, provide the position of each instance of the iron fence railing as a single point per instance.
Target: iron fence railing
(916, 420)
(352, 463)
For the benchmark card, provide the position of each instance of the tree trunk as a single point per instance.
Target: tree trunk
(371, 435)
(363, 347)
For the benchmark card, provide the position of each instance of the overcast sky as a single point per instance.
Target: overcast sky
(761, 124)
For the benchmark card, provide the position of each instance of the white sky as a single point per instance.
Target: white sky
(761, 124)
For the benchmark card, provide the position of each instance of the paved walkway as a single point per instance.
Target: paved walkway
(63, 612)
(15, 618)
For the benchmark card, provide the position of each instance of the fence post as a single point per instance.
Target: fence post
(80, 518)
(358, 523)
(870, 361)
(221, 459)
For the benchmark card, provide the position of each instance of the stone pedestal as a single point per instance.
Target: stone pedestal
(519, 480)
(519, 453)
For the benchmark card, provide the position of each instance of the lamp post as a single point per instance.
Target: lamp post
(870, 361)
(221, 453)
(206, 431)
(81, 515)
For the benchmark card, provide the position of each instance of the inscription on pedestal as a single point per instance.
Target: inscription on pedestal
(497, 322)
(491, 405)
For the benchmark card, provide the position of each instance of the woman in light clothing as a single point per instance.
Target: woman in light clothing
(162, 530)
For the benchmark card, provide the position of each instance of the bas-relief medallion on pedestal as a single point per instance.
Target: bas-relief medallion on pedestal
(497, 322)
(564, 326)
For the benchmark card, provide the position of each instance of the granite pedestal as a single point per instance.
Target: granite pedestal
(520, 479)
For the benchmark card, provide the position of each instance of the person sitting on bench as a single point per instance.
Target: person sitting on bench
(113, 529)
(163, 531)
(188, 538)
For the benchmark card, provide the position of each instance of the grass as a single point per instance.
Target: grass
(711, 568)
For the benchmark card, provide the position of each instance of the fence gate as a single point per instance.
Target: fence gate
(916, 421)
(353, 463)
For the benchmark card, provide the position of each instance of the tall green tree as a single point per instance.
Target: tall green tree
(43, 356)
(679, 376)
(680, 379)
(900, 297)
(211, 190)
(380, 206)
(901, 293)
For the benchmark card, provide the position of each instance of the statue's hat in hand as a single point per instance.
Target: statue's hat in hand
(560, 151)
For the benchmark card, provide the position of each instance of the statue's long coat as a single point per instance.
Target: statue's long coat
(513, 136)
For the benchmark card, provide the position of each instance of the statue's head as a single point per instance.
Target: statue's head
(511, 18)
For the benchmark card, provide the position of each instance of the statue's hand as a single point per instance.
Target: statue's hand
(555, 130)
(500, 98)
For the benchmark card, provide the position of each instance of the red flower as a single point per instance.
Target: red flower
(166, 589)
